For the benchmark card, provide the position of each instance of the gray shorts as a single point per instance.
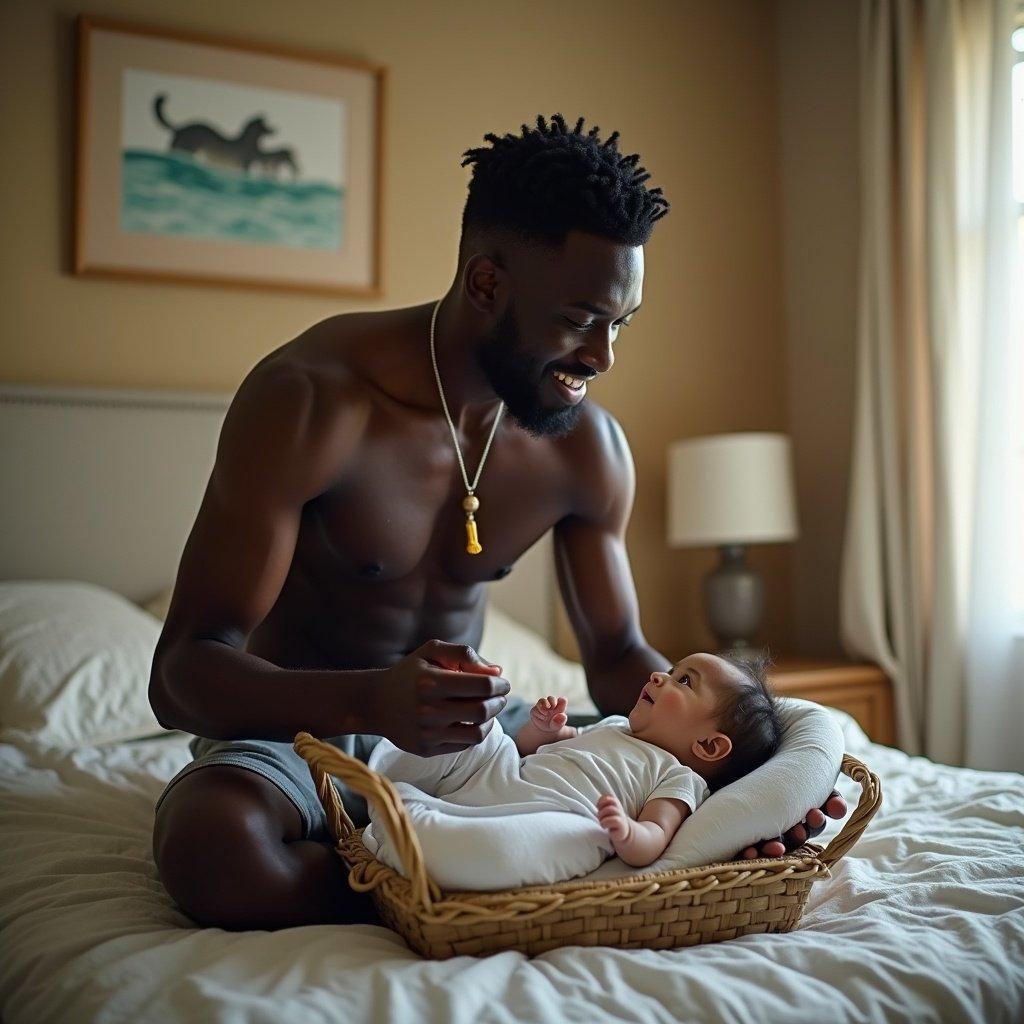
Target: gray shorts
(278, 762)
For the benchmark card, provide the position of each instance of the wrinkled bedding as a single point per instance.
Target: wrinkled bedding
(923, 920)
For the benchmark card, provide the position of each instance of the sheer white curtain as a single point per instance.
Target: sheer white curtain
(995, 626)
(931, 526)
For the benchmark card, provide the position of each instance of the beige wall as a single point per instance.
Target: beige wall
(692, 87)
(818, 132)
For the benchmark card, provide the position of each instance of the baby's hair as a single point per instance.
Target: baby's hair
(538, 186)
(749, 716)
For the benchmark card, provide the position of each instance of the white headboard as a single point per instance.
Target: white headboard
(104, 485)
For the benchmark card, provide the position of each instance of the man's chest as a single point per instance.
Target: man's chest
(397, 510)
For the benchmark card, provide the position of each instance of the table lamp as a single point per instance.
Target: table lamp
(728, 491)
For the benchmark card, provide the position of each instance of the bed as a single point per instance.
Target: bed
(923, 919)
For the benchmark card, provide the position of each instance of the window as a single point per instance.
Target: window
(1018, 119)
(1016, 489)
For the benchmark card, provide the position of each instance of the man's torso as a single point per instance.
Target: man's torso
(380, 563)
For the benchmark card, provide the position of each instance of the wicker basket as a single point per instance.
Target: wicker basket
(665, 910)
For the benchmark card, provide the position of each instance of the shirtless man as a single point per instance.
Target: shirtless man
(326, 584)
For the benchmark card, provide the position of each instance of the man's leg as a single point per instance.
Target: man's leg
(228, 845)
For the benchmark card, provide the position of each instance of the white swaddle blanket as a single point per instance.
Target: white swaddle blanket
(487, 818)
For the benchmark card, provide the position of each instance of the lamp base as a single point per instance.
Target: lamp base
(734, 601)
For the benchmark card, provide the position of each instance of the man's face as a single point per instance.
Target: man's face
(544, 351)
(517, 375)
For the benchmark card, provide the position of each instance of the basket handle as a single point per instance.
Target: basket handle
(869, 802)
(325, 760)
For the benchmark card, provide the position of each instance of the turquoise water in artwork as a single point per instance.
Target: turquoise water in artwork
(172, 194)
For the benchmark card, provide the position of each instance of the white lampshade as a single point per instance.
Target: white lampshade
(731, 489)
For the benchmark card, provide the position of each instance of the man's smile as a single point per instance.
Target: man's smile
(575, 383)
(570, 389)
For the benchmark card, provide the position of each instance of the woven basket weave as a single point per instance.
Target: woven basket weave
(665, 910)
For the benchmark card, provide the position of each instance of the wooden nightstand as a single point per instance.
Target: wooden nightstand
(863, 691)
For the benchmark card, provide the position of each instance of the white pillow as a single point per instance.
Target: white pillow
(75, 661)
(530, 665)
(761, 805)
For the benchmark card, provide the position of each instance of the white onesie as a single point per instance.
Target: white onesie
(487, 818)
(608, 758)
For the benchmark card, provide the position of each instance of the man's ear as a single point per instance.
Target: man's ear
(713, 747)
(483, 278)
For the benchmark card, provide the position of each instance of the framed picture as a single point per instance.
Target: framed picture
(223, 162)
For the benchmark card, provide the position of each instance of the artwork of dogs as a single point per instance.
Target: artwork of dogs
(204, 142)
(211, 159)
(229, 162)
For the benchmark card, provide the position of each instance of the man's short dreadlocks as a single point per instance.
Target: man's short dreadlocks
(549, 181)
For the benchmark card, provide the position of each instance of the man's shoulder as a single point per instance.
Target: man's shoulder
(321, 368)
(358, 355)
(303, 404)
(597, 437)
(597, 458)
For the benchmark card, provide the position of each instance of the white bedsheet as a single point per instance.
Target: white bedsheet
(923, 921)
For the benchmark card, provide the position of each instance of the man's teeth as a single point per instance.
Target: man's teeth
(572, 382)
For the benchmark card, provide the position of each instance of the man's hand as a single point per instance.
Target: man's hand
(438, 699)
(813, 825)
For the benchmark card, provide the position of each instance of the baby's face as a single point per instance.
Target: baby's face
(675, 710)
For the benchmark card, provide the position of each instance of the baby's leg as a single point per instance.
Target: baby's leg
(498, 851)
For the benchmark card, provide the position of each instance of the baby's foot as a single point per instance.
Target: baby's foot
(548, 714)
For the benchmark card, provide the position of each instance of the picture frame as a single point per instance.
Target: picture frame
(225, 162)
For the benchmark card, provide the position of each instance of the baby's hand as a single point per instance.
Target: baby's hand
(548, 714)
(614, 820)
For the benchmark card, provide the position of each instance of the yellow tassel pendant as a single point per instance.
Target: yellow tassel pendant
(472, 541)
(470, 503)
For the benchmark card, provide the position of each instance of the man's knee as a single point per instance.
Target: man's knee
(218, 843)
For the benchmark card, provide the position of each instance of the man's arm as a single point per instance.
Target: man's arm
(276, 451)
(283, 443)
(593, 569)
(597, 589)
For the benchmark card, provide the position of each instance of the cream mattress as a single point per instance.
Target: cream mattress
(923, 921)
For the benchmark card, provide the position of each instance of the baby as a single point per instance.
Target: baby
(494, 815)
(704, 724)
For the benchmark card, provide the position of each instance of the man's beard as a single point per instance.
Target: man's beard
(517, 381)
